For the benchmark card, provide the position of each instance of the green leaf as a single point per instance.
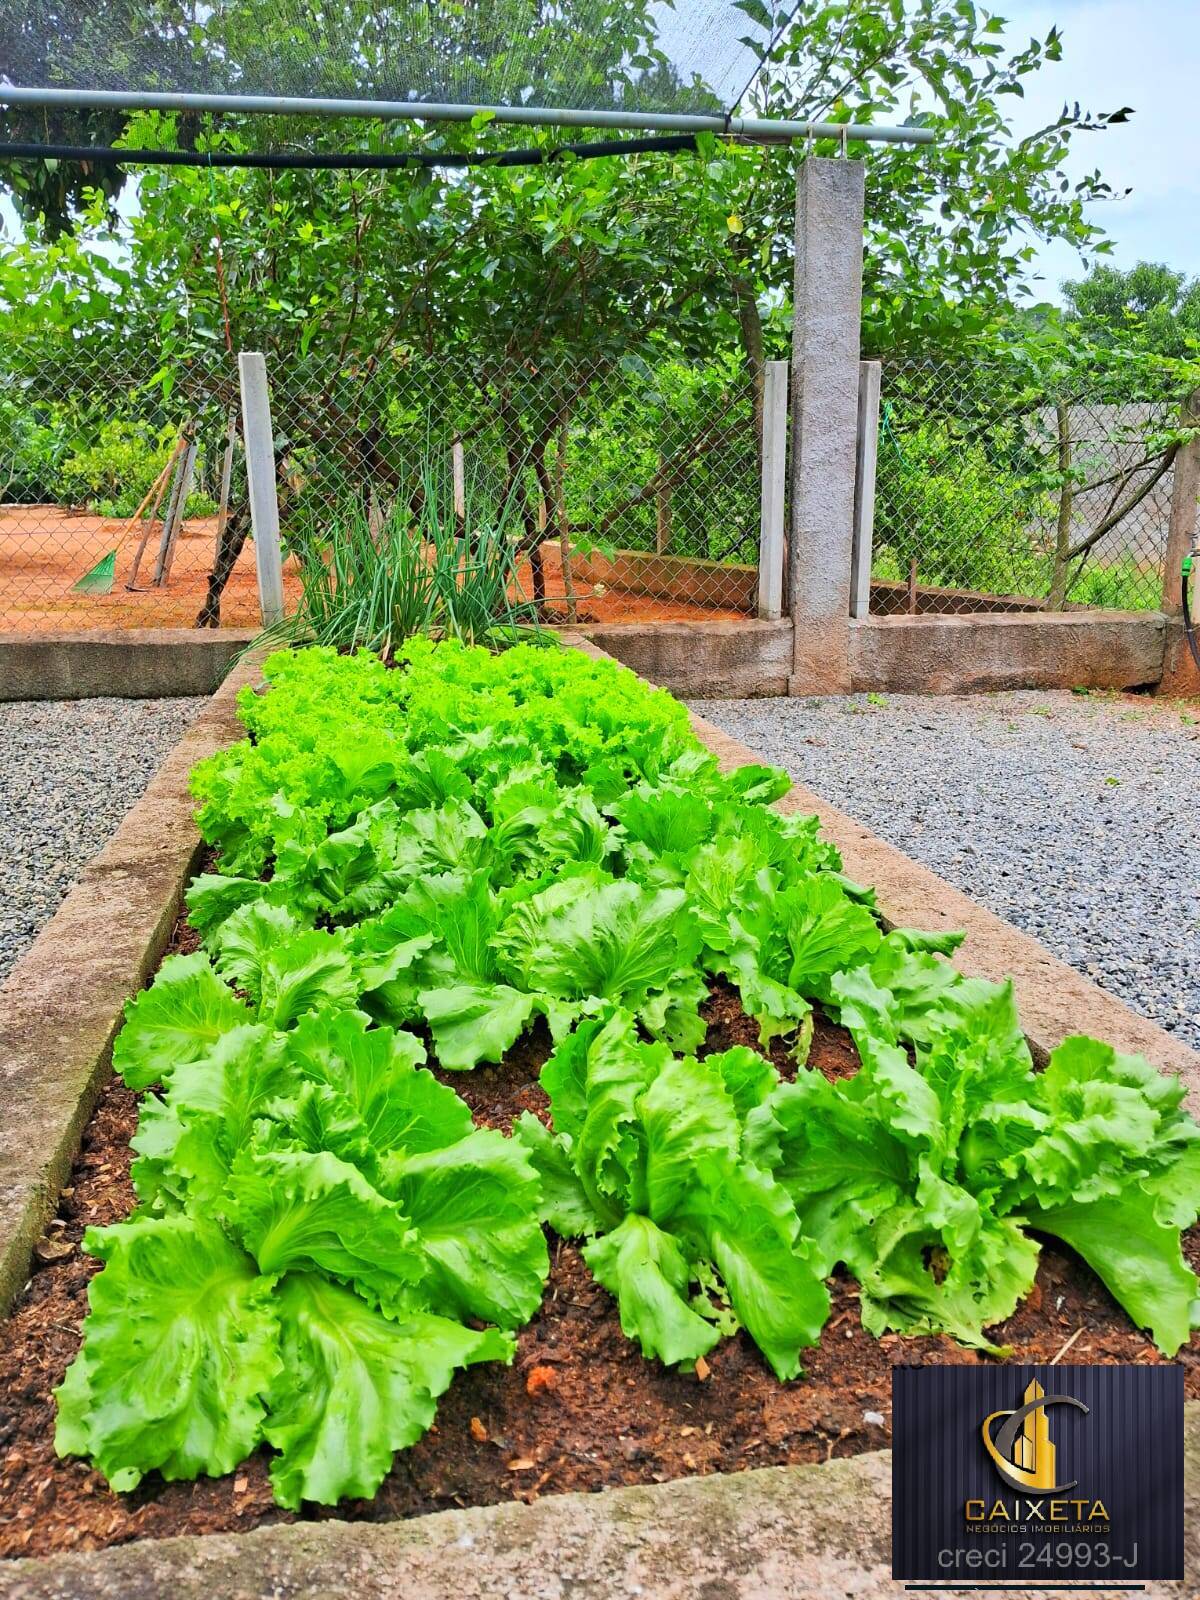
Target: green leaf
(912, 1282)
(180, 1345)
(354, 1387)
(564, 1204)
(177, 1019)
(648, 1273)
(612, 941)
(212, 897)
(402, 1107)
(475, 1208)
(300, 1211)
(1137, 1257)
(771, 1276)
(692, 1133)
(305, 972)
(244, 941)
(471, 1023)
(214, 1105)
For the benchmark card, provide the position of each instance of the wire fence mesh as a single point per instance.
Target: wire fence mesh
(996, 490)
(629, 491)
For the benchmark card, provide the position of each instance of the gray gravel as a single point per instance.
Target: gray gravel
(69, 771)
(1075, 817)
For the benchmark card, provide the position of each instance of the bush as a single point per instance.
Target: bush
(968, 518)
(32, 445)
(113, 474)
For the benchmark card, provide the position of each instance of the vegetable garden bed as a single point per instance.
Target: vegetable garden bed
(579, 1406)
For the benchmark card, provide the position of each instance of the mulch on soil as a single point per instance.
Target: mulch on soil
(579, 1409)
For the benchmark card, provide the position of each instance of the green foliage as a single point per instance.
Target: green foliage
(465, 843)
(949, 498)
(656, 1149)
(112, 473)
(372, 581)
(1149, 307)
(319, 1218)
(589, 256)
(923, 1173)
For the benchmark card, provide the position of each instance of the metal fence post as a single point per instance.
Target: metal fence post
(260, 477)
(774, 470)
(869, 383)
(1185, 492)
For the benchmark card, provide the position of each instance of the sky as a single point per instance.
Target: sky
(1140, 53)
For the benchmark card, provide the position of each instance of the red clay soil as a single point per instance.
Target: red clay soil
(579, 1409)
(604, 603)
(44, 550)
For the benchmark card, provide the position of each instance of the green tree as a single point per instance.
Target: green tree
(1150, 307)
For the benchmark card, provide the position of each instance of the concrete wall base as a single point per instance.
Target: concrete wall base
(787, 1533)
(961, 654)
(908, 655)
(713, 660)
(142, 665)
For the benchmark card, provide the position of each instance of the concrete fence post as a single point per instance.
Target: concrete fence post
(774, 485)
(862, 551)
(1185, 493)
(825, 360)
(260, 479)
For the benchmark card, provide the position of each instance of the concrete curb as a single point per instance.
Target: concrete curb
(61, 1005)
(780, 1533)
(148, 663)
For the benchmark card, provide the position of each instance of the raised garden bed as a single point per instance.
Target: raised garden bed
(579, 1408)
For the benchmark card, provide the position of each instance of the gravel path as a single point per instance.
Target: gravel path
(69, 771)
(1076, 817)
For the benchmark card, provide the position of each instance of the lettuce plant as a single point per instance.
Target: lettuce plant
(692, 1236)
(321, 1232)
(933, 1171)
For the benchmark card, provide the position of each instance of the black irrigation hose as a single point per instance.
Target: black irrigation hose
(1188, 625)
(350, 161)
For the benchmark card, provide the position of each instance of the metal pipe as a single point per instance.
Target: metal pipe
(765, 129)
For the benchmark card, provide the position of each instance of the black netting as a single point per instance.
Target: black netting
(623, 55)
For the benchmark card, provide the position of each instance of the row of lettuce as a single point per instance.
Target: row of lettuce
(463, 844)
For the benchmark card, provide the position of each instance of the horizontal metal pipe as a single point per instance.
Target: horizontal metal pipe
(758, 128)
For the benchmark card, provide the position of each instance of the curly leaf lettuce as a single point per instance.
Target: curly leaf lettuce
(180, 1345)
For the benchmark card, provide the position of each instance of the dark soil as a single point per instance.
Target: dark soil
(579, 1409)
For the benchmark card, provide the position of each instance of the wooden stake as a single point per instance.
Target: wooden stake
(157, 489)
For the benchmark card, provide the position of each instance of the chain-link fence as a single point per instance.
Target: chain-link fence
(997, 492)
(628, 491)
(111, 476)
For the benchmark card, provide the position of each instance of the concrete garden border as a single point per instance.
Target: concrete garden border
(61, 1005)
(912, 655)
(894, 654)
(797, 1533)
(778, 1533)
(132, 664)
